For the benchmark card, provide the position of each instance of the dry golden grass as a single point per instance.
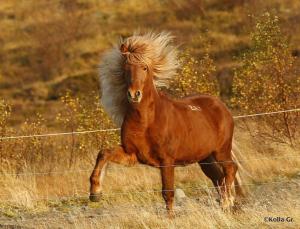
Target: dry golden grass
(132, 199)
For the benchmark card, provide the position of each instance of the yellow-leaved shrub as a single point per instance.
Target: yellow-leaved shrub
(266, 81)
(195, 76)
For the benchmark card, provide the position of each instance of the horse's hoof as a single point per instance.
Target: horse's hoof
(171, 214)
(95, 197)
(226, 205)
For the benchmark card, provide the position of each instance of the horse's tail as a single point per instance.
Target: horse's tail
(238, 184)
(239, 188)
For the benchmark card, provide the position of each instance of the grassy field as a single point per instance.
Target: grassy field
(49, 56)
(132, 199)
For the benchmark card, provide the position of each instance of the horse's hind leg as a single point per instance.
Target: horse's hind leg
(223, 156)
(116, 155)
(212, 170)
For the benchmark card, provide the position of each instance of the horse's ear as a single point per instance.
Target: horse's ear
(123, 48)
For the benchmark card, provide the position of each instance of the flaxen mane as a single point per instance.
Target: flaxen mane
(154, 50)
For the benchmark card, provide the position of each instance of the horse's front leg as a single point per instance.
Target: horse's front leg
(167, 176)
(116, 155)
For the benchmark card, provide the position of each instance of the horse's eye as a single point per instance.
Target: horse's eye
(145, 68)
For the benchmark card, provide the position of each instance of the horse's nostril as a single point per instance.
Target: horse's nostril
(138, 94)
(134, 95)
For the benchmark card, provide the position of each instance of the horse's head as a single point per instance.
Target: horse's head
(138, 76)
(134, 68)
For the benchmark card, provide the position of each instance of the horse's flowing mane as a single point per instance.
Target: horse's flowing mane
(154, 50)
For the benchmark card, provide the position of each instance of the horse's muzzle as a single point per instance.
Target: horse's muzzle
(95, 197)
(134, 96)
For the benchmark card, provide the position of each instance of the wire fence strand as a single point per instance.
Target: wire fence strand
(116, 129)
(139, 166)
(59, 134)
(266, 113)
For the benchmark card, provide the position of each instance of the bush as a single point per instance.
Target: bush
(195, 76)
(39, 154)
(5, 111)
(266, 80)
(86, 114)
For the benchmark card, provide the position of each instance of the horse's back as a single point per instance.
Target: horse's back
(209, 105)
(215, 112)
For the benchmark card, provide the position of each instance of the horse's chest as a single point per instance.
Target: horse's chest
(137, 142)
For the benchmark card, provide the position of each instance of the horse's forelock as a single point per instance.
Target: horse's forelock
(156, 51)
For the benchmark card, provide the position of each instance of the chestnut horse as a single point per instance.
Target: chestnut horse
(157, 130)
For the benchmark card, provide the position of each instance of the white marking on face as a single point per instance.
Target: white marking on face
(194, 108)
